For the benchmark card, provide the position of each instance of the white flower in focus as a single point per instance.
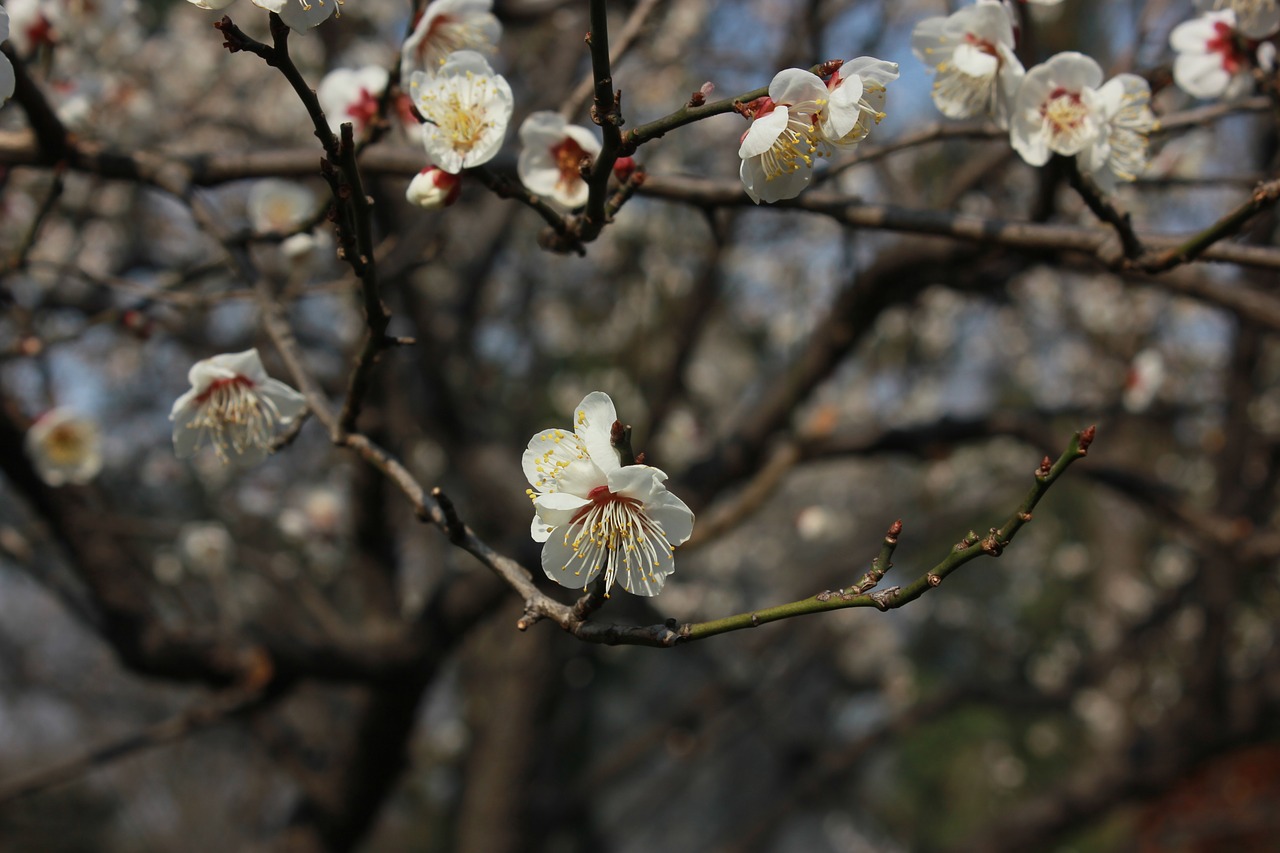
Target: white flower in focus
(447, 26)
(1211, 61)
(596, 515)
(64, 447)
(351, 95)
(298, 15)
(433, 189)
(1255, 19)
(856, 100)
(235, 405)
(552, 152)
(972, 52)
(1123, 107)
(7, 80)
(467, 107)
(1054, 111)
(779, 148)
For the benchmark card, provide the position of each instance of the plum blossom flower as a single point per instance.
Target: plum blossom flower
(1054, 112)
(1255, 19)
(857, 96)
(552, 152)
(64, 447)
(1212, 61)
(972, 52)
(467, 108)
(7, 79)
(299, 15)
(351, 95)
(596, 515)
(804, 118)
(433, 188)
(1123, 109)
(447, 26)
(235, 405)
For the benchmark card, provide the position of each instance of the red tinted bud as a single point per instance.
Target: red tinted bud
(624, 168)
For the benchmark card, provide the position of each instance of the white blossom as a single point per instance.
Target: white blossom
(64, 447)
(805, 118)
(298, 15)
(1142, 383)
(1211, 61)
(281, 207)
(550, 157)
(234, 405)
(447, 26)
(31, 25)
(1255, 19)
(856, 100)
(7, 79)
(596, 515)
(467, 107)
(1054, 112)
(971, 51)
(1123, 108)
(351, 95)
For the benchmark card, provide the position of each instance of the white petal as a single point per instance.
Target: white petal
(548, 453)
(558, 508)
(793, 86)
(539, 531)
(593, 421)
(559, 560)
(247, 364)
(186, 441)
(288, 402)
(763, 132)
(673, 514)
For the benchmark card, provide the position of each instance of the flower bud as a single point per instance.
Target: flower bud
(433, 188)
(624, 168)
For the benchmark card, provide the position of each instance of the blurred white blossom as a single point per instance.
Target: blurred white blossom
(64, 447)
(447, 26)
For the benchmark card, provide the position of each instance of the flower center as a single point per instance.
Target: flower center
(364, 110)
(568, 155)
(456, 108)
(1224, 42)
(1064, 111)
(796, 146)
(236, 416)
(615, 534)
(65, 444)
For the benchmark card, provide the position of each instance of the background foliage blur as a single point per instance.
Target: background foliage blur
(1110, 683)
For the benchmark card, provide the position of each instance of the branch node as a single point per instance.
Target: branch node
(452, 522)
(883, 600)
(934, 580)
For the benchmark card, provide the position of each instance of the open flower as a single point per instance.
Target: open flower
(549, 161)
(31, 25)
(1255, 19)
(235, 405)
(64, 447)
(7, 79)
(467, 107)
(595, 514)
(779, 148)
(298, 15)
(282, 207)
(447, 26)
(351, 95)
(1211, 61)
(972, 52)
(856, 100)
(1054, 111)
(1123, 108)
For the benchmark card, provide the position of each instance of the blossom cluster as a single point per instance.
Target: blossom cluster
(806, 117)
(1061, 106)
